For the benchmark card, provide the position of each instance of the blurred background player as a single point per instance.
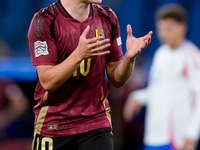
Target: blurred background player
(14, 106)
(172, 95)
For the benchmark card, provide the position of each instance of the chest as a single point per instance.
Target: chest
(68, 32)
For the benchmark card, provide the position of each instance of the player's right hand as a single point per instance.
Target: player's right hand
(88, 48)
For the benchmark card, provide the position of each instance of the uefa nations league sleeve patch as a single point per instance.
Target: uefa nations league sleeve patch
(119, 41)
(40, 48)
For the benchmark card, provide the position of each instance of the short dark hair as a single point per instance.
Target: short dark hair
(173, 11)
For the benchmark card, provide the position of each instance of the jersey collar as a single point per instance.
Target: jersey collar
(65, 13)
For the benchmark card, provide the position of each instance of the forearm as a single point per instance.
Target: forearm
(53, 77)
(122, 72)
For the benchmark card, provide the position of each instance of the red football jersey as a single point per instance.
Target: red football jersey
(80, 104)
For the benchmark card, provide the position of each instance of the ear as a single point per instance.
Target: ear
(185, 28)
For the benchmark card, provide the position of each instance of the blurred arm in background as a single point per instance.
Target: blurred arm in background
(13, 102)
(134, 103)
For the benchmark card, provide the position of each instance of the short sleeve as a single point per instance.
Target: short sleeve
(116, 42)
(43, 49)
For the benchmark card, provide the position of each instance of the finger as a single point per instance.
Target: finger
(100, 48)
(100, 53)
(149, 41)
(95, 39)
(129, 30)
(85, 32)
(150, 33)
(148, 37)
(100, 43)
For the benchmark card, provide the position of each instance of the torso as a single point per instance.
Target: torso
(80, 104)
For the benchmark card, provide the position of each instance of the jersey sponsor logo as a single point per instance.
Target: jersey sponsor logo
(119, 41)
(99, 32)
(40, 48)
(52, 127)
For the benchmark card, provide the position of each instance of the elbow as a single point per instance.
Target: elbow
(118, 84)
(47, 87)
(50, 85)
(118, 80)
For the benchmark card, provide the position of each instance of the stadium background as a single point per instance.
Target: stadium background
(15, 17)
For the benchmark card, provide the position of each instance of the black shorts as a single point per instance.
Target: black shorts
(99, 139)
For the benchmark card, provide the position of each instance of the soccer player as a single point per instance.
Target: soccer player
(172, 95)
(72, 43)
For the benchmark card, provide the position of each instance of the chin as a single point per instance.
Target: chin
(96, 1)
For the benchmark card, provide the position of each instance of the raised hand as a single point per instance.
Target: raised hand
(135, 45)
(90, 47)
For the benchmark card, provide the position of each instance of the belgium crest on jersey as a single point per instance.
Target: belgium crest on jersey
(99, 32)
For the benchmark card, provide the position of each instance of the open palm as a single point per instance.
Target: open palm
(135, 45)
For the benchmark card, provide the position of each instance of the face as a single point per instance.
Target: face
(170, 32)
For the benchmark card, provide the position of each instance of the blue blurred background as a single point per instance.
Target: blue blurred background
(15, 17)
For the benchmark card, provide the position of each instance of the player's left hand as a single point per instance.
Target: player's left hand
(135, 45)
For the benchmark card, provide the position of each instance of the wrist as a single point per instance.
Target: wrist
(76, 57)
(130, 59)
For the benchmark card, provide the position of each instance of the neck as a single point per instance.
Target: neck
(176, 44)
(78, 10)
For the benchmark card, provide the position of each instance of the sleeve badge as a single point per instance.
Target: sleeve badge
(40, 48)
(119, 41)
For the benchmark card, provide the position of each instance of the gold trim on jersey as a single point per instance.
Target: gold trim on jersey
(41, 117)
(107, 109)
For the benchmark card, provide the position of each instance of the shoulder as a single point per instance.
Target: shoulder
(161, 50)
(192, 52)
(43, 19)
(103, 10)
(189, 50)
(160, 54)
(47, 12)
(190, 46)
